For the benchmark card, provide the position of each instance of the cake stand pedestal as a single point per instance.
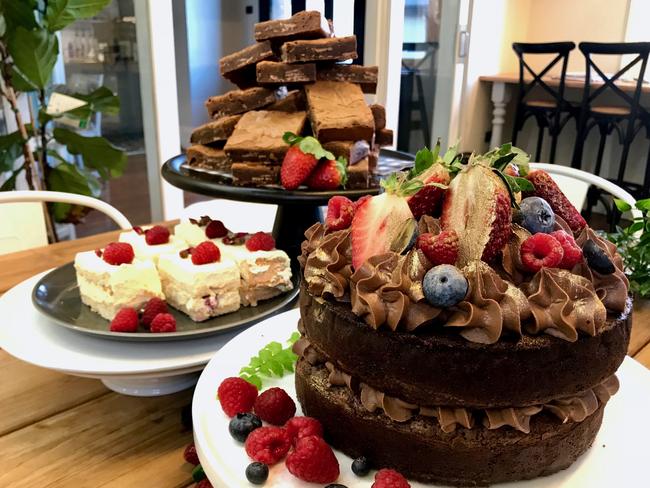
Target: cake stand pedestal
(297, 210)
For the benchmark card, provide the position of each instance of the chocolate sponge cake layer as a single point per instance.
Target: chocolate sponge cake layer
(431, 367)
(421, 451)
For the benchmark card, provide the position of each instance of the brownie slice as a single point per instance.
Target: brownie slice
(366, 76)
(239, 101)
(239, 67)
(255, 174)
(330, 49)
(216, 131)
(338, 112)
(294, 101)
(206, 157)
(353, 152)
(258, 135)
(307, 24)
(379, 114)
(270, 72)
(359, 175)
(384, 137)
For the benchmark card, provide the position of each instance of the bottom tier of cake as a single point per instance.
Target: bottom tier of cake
(421, 451)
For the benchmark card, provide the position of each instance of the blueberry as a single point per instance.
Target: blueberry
(243, 424)
(535, 215)
(257, 473)
(444, 286)
(597, 259)
(361, 466)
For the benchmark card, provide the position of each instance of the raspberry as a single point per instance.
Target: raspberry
(156, 235)
(268, 445)
(152, 308)
(389, 478)
(215, 229)
(126, 320)
(205, 253)
(541, 251)
(274, 406)
(205, 483)
(572, 252)
(260, 241)
(236, 396)
(440, 249)
(313, 461)
(190, 455)
(117, 253)
(340, 211)
(163, 322)
(299, 427)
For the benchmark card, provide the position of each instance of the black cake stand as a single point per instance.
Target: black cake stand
(297, 210)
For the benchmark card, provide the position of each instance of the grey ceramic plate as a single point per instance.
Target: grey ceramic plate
(56, 295)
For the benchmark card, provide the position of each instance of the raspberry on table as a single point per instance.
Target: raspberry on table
(313, 461)
(274, 406)
(204, 483)
(260, 241)
(126, 320)
(340, 211)
(572, 252)
(156, 235)
(389, 478)
(205, 253)
(117, 253)
(268, 445)
(215, 229)
(541, 251)
(236, 396)
(163, 322)
(299, 427)
(439, 249)
(190, 455)
(152, 308)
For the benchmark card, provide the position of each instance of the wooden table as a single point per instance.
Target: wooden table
(63, 431)
(504, 83)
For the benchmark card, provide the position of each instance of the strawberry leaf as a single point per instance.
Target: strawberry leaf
(291, 138)
(523, 184)
(502, 162)
(510, 185)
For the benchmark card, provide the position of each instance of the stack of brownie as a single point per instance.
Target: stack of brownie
(293, 74)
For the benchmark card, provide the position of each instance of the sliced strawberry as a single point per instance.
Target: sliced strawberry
(428, 200)
(477, 207)
(296, 167)
(328, 175)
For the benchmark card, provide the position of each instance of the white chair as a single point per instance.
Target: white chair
(23, 223)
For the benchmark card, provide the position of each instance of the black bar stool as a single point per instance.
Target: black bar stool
(626, 119)
(550, 113)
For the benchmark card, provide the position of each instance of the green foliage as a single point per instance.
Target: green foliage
(61, 13)
(309, 145)
(67, 177)
(97, 152)
(11, 147)
(34, 53)
(271, 360)
(633, 244)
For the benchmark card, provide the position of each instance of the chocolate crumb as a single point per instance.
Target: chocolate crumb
(185, 253)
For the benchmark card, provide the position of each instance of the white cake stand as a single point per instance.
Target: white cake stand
(617, 458)
(131, 368)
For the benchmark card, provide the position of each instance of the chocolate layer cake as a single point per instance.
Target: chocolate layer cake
(308, 24)
(330, 49)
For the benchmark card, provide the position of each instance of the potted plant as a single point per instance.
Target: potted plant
(29, 48)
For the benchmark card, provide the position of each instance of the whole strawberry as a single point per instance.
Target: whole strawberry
(328, 175)
(296, 167)
(340, 211)
(440, 249)
(389, 478)
(547, 189)
(236, 396)
(313, 461)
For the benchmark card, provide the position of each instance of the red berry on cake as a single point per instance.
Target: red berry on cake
(439, 249)
(205, 253)
(428, 200)
(268, 445)
(572, 252)
(215, 229)
(190, 455)
(126, 320)
(260, 241)
(312, 460)
(236, 396)
(163, 322)
(117, 253)
(340, 211)
(274, 406)
(152, 308)
(541, 251)
(296, 167)
(299, 427)
(389, 478)
(547, 189)
(156, 235)
(328, 175)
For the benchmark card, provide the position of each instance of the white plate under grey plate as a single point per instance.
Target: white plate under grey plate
(617, 458)
(143, 369)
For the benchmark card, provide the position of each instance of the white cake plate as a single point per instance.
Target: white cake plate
(617, 458)
(131, 368)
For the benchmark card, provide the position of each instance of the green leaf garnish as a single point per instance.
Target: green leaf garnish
(308, 145)
(271, 360)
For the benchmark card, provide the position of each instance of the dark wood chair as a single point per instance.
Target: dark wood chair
(551, 111)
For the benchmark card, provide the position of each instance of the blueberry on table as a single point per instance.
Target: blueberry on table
(361, 466)
(243, 424)
(535, 215)
(597, 259)
(257, 473)
(444, 285)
